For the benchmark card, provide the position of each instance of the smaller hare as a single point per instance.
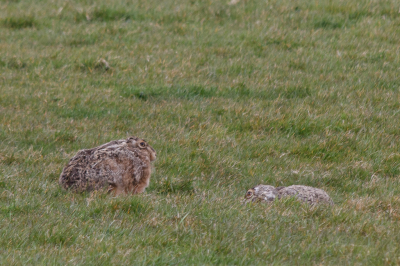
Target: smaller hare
(120, 166)
(265, 193)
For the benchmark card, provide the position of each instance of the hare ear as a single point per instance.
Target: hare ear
(132, 140)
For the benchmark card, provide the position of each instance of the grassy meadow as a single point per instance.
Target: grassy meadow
(230, 94)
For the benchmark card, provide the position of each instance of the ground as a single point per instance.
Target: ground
(231, 95)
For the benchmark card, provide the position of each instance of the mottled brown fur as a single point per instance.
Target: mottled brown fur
(119, 166)
(302, 193)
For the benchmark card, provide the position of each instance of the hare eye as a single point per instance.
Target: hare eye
(142, 144)
(249, 193)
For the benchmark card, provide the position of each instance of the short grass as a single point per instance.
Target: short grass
(230, 94)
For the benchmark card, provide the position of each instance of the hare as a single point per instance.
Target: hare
(266, 193)
(119, 166)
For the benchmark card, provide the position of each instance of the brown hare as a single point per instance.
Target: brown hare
(119, 166)
(265, 193)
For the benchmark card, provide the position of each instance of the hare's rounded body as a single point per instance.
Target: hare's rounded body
(120, 166)
(310, 195)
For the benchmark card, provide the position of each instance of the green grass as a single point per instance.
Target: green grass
(230, 96)
(19, 22)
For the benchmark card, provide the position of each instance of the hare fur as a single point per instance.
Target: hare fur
(120, 166)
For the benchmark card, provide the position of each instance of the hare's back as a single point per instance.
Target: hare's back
(306, 194)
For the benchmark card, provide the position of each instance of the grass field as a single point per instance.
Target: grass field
(230, 94)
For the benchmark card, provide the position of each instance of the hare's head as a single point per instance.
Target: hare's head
(263, 193)
(143, 146)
